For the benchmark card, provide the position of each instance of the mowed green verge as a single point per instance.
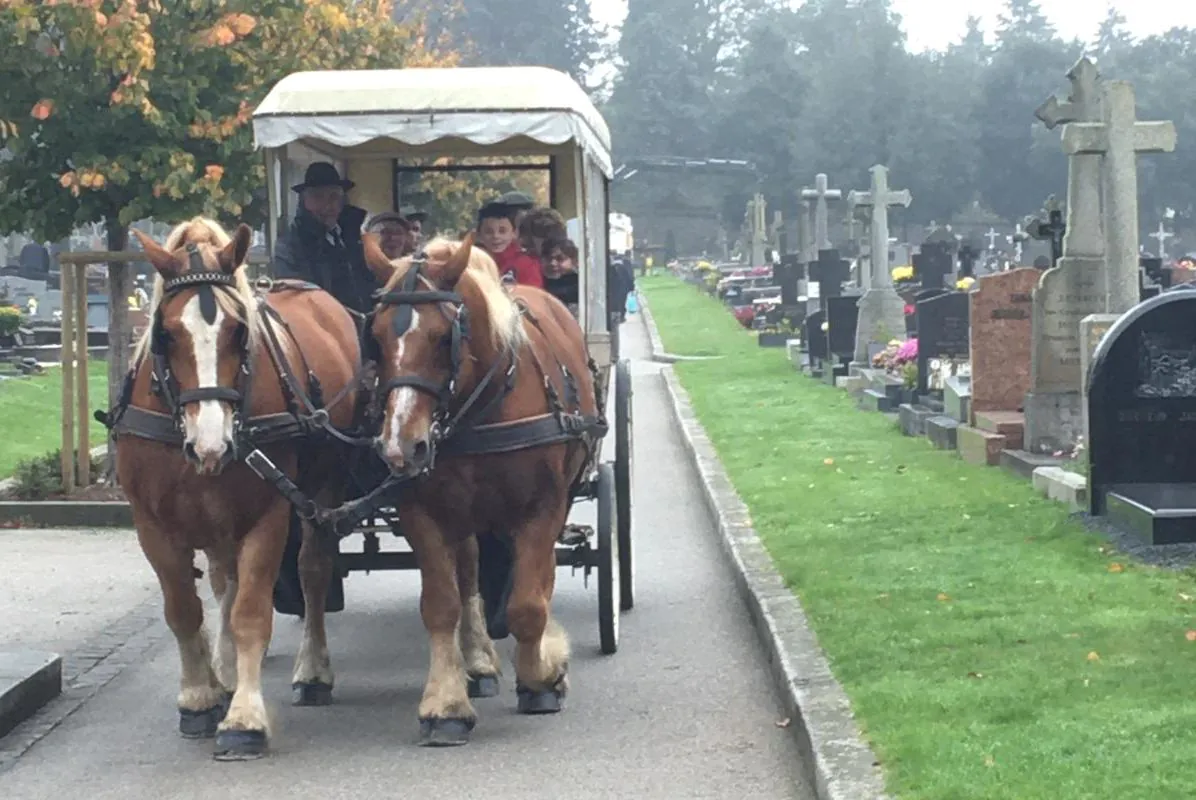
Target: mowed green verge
(31, 414)
(991, 647)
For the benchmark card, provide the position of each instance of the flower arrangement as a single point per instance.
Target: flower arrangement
(904, 273)
(963, 284)
(10, 320)
(896, 356)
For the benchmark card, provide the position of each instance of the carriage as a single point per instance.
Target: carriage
(392, 132)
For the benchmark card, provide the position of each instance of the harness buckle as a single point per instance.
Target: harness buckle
(264, 284)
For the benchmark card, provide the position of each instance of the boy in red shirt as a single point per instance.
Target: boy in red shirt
(497, 235)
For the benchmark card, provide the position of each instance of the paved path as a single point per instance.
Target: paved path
(684, 710)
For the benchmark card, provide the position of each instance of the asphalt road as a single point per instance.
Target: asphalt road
(685, 709)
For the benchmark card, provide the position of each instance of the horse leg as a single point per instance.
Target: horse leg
(245, 731)
(199, 702)
(445, 714)
(311, 682)
(482, 664)
(541, 644)
(222, 575)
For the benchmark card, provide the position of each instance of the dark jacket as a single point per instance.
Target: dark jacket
(621, 282)
(304, 252)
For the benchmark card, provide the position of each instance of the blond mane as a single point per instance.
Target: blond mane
(506, 321)
(236, 301)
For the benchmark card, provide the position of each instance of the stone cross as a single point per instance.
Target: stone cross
(1083, 236)
(1119, 137)
(1016, 238)
(992, 236)
(820, 194)
(880, 198)
(1161, 236)
(805, 222)
(1051, 229)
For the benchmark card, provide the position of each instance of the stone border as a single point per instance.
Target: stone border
(65, 514)
(28, 680)
(86, 670)
(658, 352)
(837, 761)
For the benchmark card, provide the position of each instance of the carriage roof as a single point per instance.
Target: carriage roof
(494, 108)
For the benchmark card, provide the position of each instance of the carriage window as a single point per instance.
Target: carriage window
(450, 190)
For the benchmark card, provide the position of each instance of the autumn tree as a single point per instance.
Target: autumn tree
(117, 110)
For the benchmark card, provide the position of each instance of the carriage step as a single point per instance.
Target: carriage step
(575, 535)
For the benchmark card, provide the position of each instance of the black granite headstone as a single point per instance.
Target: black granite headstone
(830, 271)
(933, 265)
(1142, 420)
(815, 337)
(1050, 230)
(943, 332)
(787, 274)
(919, 296)
(843, 315)
(34, 261)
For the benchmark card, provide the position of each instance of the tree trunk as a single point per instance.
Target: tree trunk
(120, 286)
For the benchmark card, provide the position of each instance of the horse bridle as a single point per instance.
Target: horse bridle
(404, 298)
(163, 383)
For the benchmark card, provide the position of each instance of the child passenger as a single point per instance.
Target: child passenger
(496, 234)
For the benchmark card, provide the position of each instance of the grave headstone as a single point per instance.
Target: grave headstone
(943, 332)
(914, 299)
(1142, 420)
(829, 272)
(842, 314)
(881, 309)
(968, 254)
(34, 261)
(933, 264)
(1050, 228)
(787, 275)
(820, 195)
(999, 340)
(815, 338)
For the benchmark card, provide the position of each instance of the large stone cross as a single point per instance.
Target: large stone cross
(1083, 236)
(880, 198)
(1119, 137)
(820, 194)
(809, 247)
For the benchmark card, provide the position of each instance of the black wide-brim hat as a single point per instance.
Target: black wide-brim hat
(321, 174)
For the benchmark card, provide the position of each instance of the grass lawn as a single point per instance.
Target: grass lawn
(31, 414)
(991, 647)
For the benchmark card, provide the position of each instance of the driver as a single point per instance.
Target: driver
(322, 246)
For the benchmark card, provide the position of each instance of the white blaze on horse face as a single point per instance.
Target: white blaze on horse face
(210, 427)
(403, 401)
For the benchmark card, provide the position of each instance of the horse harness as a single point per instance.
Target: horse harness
(464, 429)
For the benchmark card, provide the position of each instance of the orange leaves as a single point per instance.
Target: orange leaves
(227, 30)
(213, 172)
(78, 180)
(1116, 567)
(1190, 636)
(42, 110)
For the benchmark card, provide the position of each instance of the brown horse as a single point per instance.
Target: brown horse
(223, 371)
(497, 389)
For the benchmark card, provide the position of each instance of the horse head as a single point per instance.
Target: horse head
(200, 337)
(443, 321)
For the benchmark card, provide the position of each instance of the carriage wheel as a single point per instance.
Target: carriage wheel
(608, 557)
(623, 462)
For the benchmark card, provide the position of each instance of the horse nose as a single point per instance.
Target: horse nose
(417, 453)
(209, 460)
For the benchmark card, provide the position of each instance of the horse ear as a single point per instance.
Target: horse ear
(376, 260)
(233, 254)
(166, 264)
(454, 268)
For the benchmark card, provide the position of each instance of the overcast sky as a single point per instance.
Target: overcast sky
(936, 23)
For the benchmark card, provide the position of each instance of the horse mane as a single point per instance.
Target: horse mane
(506, 320)
(236, 301)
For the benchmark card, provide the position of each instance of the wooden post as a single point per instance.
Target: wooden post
(83, 434)
(68, 372)
(120, 286)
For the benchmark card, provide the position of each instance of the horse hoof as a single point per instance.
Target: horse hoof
(543, 701)
(233, 745)
(311, 694)
(200, 724)
(444, 732)
(483, 686)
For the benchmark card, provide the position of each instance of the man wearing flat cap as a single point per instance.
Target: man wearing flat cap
(415, 224)
(323, 244)
(518, 202)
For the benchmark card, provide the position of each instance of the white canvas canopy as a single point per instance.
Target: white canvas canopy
(361, 110)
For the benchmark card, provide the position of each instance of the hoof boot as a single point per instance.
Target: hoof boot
(200, 724)
(539, 701)
(311, 694)
(233, 745)
(442, 732)
(483, 686)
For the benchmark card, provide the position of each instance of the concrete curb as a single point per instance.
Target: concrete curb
(658, 352)
(838, 762)
(28, 680)
(65, 514)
